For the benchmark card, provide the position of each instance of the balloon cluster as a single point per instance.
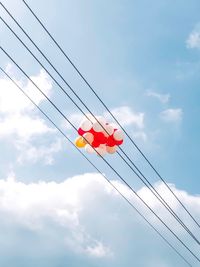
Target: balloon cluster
(98, 136)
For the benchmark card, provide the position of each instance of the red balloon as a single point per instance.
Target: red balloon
(118, 143)
(100, 137)
(111, 141)
(81, 132)
(95, 144)
(92, 131)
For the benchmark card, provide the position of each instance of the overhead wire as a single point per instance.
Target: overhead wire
(111, 114)
(171, 211)
(144, 179)
(94, 166)
(107, 163)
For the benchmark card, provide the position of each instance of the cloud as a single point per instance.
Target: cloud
(75, 118)
(99, 250)
(22, 126)
(43, 81)
(19, 122)
(125, 115)
(128, 117)
(140, 135)
(33, 154)
(172, 115)
(13, 101)
(30, 205)
(187, 70)
(193, 40)
(163, 98)
(86, 216)
(17, 112)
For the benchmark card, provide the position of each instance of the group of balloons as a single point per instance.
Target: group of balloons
(98, 136)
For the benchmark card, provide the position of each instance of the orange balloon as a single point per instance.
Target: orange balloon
(88, 138)
(111, 149)
(80, 142)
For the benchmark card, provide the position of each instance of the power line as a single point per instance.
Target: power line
(108, 110)
(157, 194)
(145, 181)
(112, 185)
(109, 165)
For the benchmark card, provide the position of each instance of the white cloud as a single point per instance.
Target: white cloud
(18, 120)
(140, 135)
(125, 115)
(13, 101)
(16, 116)
(98, 250)
(193, 40)
(172, 115)
(23, 126)
(75, 118)
(29, 205)
(93, 219)
(31, 153)
(43, 81)
(163, 98)
(128, 117)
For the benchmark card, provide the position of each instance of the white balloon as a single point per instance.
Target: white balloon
(97, 127)
(109, 130)
(102, 146)
(101, 150)
(86, 125)
(111, 149)
(88, 137)
(100, 124)
(89, 149)
(118, 135)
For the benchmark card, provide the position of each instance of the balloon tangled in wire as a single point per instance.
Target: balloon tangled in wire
(99, 136)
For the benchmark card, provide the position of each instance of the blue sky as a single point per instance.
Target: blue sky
(144, 60)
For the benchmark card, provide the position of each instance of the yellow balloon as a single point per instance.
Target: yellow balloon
(80, 142)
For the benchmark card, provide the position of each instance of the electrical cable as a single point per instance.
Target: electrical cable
(109, 165)
(147, 183)
(108, 110)
(112, 185)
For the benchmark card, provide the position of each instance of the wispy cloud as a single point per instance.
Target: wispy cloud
(172, 115)
(163, 98)
(30, 153)
(140, 135)
(193, 40)
(98, 250)
(128, 117)
(124, 114)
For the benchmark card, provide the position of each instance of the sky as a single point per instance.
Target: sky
(143, 59)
